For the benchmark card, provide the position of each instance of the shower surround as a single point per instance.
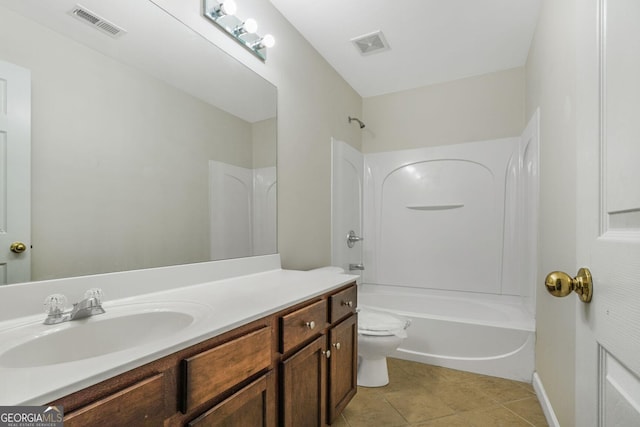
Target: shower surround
(450, 243)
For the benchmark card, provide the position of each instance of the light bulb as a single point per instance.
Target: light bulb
(268, 41)
(250, 26)
(228, 7)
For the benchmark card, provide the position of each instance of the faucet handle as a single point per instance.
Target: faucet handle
(95, 293)
(55, 304)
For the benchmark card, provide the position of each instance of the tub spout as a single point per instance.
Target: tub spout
(356, 267)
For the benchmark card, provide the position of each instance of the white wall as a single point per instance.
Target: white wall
(477, 108)
(551, 73)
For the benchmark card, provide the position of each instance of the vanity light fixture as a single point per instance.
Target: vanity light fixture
(222, 14)
(250, 26)
(227, 7)
(265, 42)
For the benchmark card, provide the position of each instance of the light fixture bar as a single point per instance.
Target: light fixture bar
(222, 14)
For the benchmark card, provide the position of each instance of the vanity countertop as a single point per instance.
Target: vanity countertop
(222, 306)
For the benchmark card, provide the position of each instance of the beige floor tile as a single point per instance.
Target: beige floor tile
(530, 410)
(370, 408)
(495, 417)
(420, 395)
(340, 422)
(453, 375)
(418, 407)
(403, 381)
(426, 376)
(464, 397)
(527, 386)
(500, 389)
(416, 370)
(450, 421)
(370, 392)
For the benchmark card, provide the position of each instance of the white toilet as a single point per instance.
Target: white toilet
(379, 334)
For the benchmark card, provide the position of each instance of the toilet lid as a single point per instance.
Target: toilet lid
(376, 323)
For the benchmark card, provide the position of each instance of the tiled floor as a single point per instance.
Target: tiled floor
(425, 395)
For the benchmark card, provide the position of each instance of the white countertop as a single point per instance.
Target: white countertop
(224, 305)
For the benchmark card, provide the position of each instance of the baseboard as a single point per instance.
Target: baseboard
(552, 420)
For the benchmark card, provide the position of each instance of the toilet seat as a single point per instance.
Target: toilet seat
(379, 324)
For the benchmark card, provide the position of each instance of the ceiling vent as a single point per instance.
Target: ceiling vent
(88, 17)
(371, 43)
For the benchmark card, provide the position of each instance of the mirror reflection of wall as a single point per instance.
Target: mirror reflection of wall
(120, 159)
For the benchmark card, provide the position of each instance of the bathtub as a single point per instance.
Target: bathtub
(486, 334)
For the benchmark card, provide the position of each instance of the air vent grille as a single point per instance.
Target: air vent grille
(371, 43)
(86, 16)
(97, 22)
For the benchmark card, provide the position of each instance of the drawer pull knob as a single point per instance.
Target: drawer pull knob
(327, 353)
(348, 303)
(337, 346)
(311, 325)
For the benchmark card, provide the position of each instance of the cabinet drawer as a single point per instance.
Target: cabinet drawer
(302, 324)
(214, 371)
(141, 404)
(247, 407)
(343, 303)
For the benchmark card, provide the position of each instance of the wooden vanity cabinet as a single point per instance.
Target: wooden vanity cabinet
(296, 368)
(318, 377)
(232, 370)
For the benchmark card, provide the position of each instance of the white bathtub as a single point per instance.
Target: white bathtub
(487, 334)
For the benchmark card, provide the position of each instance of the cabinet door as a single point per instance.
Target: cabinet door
(343, 365)
(251, 406)
(303, 393)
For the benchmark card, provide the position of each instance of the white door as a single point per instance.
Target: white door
(608, 139)
(15, 174)
(347, 168)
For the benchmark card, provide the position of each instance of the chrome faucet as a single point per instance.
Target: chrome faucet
(352, 239)
(55, 305)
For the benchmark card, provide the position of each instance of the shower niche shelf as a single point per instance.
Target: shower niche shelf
(435, 206)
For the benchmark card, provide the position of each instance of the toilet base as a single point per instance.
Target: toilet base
(372, 372)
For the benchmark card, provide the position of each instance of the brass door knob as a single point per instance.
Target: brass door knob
(18, 247)
(560, 284)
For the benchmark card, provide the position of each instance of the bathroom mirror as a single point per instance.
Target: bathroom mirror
(150, 146)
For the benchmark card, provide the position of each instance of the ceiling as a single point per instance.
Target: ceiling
(431, 41)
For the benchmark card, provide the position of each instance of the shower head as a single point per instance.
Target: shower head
(357, 120)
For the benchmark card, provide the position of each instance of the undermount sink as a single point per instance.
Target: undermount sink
(120, 328)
